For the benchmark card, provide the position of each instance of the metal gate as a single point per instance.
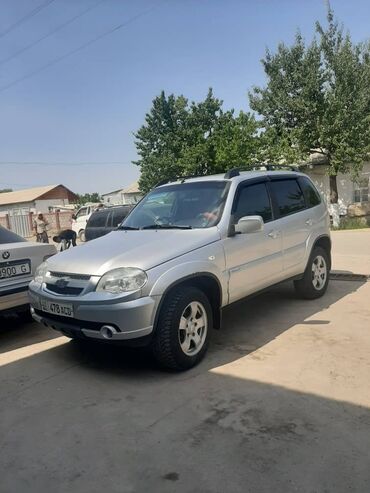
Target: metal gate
(20, 224)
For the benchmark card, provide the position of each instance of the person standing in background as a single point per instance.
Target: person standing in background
(40, 227)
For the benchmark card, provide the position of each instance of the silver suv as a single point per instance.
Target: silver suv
(187, 250)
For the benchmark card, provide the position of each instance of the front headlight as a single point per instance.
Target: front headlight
(122, 280)
(40, 273)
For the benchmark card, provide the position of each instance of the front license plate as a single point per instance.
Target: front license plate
(62, 309)
(14, 269)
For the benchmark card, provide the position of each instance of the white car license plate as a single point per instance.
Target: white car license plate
(14, 269)
(62, 309)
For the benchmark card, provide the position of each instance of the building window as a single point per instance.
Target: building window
(361, 191)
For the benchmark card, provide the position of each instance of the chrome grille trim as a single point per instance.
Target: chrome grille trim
(82, 277)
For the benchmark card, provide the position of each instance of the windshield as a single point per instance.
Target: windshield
(180, 206)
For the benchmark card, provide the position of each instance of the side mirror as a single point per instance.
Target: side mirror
(249, 224)
(74, 216)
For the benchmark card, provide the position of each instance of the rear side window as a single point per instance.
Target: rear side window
(310, 193)
(98, 219)
(119, 215)
(288, 195)
(253, 200)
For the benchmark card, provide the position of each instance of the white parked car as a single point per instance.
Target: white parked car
(19, 259)
(79, 220)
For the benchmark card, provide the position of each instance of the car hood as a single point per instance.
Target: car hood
(143, 249)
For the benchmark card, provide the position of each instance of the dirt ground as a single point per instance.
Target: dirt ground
(281, 403)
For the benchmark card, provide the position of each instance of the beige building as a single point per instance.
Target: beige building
(41, 199)
(123, 196)
(349, 191)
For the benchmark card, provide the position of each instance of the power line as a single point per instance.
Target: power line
(26, 17)
(76, 50)
(63, 163)
(58, 28)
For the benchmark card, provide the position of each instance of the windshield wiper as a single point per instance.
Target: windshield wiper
(166, 226)
(127, 228)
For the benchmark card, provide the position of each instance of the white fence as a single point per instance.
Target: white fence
(20, 224)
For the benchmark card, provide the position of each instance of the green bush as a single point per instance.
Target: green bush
(353, 223)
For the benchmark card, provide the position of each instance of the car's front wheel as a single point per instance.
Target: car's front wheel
(81, 235)
(316, 276)
(183, 329)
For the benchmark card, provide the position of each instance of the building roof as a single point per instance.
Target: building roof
(110, 193)
(27, 195)
(133, 188)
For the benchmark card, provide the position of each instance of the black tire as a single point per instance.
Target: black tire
(82, 235)
(305, 287)
(166, 346)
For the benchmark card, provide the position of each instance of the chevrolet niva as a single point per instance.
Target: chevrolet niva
(188, 249)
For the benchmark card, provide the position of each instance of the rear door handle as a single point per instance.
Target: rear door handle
(274, 234)
(309, 222)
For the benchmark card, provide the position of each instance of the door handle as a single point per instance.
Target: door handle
(309, 222)
(274, 234)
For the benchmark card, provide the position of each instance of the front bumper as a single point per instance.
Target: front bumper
(130, 319)
(13, 298)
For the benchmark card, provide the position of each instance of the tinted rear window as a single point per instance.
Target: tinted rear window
(310, 193)
(98, 219)
(253, 200)
(288, 195)
(7, 236)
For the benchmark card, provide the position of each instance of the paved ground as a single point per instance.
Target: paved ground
(281, 403)
(351, 251)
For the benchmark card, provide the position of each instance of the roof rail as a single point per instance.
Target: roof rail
(231, 173)
(177, 178)
(267, 166)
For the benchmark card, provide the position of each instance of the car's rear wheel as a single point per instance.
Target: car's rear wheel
(184, 324)
(316, 276)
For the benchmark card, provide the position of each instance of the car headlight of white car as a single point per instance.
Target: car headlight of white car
(41, 272)
(122, 280)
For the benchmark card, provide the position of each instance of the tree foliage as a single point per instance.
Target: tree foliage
(5, 190)
(317, 99)
(181, 138)
(88, 197)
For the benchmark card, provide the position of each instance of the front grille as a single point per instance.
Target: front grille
(82, 277)
(68, 290)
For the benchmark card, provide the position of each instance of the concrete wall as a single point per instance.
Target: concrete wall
(43, 205)
(131, 198)
(57, 221)
(113, 199)
(346, 186)
(19, 208)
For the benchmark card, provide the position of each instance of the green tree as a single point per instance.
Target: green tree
(317, 99)
(5, 190)
(160, 140)
(180, 139)
(88, 197)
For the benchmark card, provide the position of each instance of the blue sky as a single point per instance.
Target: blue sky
(86, 108)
